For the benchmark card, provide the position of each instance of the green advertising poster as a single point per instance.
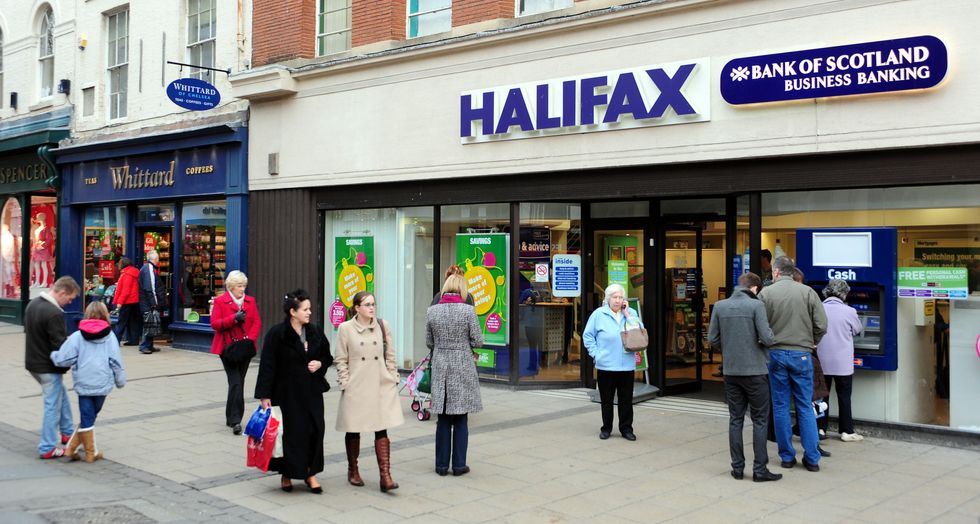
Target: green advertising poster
(354, 267)
(641, 361)
(486, 358)
(932, 282)
(483, 257)
(618, 273)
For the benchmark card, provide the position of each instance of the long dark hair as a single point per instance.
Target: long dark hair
(357, 300)
(292, 300)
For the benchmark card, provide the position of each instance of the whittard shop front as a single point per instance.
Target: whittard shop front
(670, 169)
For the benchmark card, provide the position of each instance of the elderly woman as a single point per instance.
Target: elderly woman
(369, 380)
(451, 332)
(615, 365)
(836, 353)
(292, 370)
(234, 318)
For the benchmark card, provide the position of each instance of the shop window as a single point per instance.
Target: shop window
(201, 26)
(45, 56)
(203, 264)
(333, 26)
(477, 238)
(11, 226)
(935, 227)
(155, 213)
(387, 252)
(428, 17)
(104, 243)
(44, 236)
(118, 62)
(550, 347)
(531, 7)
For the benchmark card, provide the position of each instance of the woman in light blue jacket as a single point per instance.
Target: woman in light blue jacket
(615, 365)
(93, 354)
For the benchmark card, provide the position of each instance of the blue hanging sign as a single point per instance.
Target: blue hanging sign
(193, 94)
(902, 64)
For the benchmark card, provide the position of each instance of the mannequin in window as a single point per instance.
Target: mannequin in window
(42, 240)
(8, 261)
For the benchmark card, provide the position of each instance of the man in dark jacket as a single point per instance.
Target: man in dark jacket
(152, 295)
(44, 326)
(798, 322)
(737, 325)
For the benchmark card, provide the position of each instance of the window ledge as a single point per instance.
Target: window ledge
(263, 84)
(44, 103)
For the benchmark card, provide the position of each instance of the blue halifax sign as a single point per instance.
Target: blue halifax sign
(902, 64)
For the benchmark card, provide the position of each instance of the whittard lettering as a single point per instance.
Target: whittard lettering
(124, 178)
(673, 93)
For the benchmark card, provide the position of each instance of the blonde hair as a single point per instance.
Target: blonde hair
(455, 281)
(97, 311)
(234, 278)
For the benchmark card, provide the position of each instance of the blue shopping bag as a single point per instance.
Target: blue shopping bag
(256, 425)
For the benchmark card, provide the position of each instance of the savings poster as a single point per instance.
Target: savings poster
(354, 267)
(483, 257)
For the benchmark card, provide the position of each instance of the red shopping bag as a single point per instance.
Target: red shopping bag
(259, 452)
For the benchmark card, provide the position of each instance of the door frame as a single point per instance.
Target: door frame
(662, 304)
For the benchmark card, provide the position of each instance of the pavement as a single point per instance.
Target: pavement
(535, 457)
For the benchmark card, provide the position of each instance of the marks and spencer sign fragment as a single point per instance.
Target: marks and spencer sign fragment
(193, 94)
(674, 93)
(902, 64)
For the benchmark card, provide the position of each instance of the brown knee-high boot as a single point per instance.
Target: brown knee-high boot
(382, 448)
(71, 450)
(88, 440)
(353, 450)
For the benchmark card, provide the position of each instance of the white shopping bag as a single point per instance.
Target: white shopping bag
(277, 451)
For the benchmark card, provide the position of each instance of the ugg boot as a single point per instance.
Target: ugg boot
(353, 450)
(88, 441)
(71, 449)
(382, 448)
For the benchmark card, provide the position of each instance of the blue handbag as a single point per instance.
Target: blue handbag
(256, 425)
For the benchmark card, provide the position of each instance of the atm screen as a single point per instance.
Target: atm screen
(867, 300)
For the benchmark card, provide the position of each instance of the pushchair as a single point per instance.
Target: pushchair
(421, 400)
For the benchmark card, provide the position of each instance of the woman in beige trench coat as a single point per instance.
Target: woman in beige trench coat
(365, 359)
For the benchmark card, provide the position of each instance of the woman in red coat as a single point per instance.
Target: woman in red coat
(234, 316)
(127, 298)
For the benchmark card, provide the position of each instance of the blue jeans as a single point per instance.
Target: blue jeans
(88, 409)
(452, 438)
(791, 373)
(57, 411)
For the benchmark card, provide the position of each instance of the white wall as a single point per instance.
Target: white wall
(964, 365)
(396, 117)
(20, 21)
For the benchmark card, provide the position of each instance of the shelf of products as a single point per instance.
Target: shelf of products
(204, 266)
(103, 248)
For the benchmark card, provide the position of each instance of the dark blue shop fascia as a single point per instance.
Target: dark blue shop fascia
(184, 167)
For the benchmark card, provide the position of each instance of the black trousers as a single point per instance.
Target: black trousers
(844, 385)
(752, 393)
(618, 384)
(235, 406)
(130, 324)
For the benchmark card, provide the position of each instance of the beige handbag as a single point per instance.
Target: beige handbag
(635, 340)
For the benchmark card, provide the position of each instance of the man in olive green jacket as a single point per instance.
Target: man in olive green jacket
(798, 322)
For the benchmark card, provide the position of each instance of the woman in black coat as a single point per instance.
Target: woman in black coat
(292, 369)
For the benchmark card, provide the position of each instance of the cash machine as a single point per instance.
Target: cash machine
(866, 258)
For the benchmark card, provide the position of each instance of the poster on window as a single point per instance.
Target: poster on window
(354, 267)
(483, 257)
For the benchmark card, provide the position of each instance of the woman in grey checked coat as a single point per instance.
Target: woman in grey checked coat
(451, 332)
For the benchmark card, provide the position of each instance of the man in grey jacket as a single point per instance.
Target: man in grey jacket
(737, 325)
(798, 322)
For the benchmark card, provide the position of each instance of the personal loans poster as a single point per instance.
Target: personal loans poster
(483, 257)
(354, 267)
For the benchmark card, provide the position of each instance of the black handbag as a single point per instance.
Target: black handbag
(240, 350)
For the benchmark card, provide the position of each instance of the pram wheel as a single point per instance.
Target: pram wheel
(416, 405)
(427, 414)
(421, 416)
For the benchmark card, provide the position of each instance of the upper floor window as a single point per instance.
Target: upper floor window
(46, 53)
(428, 17)
(201, 23)
(118, 62)
(1, 68)
(531, 7)
(333, 26)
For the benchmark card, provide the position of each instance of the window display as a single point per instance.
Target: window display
(11, 224)
(43, 241)
(203, 262)
(104, 243)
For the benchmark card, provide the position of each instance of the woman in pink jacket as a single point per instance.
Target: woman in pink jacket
(836, 354)
(234, 317)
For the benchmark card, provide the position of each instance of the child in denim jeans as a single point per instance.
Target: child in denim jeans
(96, 364)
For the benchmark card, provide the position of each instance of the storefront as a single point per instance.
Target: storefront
(183, 195)
(29, 223)
(658, 173)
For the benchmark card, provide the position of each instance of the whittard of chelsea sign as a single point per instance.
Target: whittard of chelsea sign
(193, 94)
(902, 64)
(674, 93)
